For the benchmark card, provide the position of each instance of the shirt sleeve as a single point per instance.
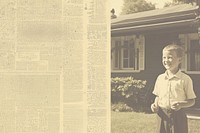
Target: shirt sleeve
(189, 89)
(156, 90)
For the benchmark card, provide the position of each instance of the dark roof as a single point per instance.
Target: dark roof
(179, 15)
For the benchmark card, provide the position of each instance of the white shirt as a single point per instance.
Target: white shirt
(178, 87)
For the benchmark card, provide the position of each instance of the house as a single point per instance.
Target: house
(137, 41)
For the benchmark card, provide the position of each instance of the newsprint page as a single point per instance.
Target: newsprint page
(54, 66)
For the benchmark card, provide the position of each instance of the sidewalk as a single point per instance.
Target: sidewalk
(193, 113)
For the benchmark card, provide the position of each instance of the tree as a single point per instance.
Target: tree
(133, 6)
(184, 1)
(176, 2)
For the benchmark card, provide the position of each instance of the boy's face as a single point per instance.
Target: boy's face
(170, 60)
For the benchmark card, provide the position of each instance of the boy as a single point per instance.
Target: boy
(174, 91)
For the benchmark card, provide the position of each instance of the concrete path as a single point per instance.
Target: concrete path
(193, 113)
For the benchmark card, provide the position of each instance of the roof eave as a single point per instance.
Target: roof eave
(157, 26)
(154, 20)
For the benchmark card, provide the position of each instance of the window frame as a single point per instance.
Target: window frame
(186, 40)
(138, 59)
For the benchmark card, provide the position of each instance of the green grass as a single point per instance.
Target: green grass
(132, 122)
(194, 126)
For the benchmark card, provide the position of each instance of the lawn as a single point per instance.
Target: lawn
(132, 122)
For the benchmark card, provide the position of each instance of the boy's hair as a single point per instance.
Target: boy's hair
(174, 47)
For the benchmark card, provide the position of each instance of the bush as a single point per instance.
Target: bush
(129, 91)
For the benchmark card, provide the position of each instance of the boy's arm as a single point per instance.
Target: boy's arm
(154, 106)
(183, 104)
(156, 101)
(186, 103)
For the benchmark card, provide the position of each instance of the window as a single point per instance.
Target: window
(127, 53)
(192, 57)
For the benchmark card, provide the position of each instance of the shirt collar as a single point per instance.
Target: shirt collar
(176, 75)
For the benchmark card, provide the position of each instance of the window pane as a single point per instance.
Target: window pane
(137, 52)
(125, 63)
(132, 44)
(125, 53)
(125, 44)
(132, 54)
(197, 61)
(131, 58)
(129, 54)
(117, 53)
(116, 58)
(194, 57)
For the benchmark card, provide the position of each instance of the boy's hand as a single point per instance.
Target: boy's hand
(182, 104)
(176, 106)
(154, 108)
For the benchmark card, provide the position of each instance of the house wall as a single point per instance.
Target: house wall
(154, 43)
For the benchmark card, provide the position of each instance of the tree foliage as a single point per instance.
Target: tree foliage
(176, 2)
(184, 1)
(133, 6)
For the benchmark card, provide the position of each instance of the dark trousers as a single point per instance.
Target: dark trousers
(170, 121)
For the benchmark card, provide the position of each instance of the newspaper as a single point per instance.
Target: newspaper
(54, 60)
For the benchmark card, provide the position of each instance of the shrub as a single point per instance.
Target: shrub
(129, 91)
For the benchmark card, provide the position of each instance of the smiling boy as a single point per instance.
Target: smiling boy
(174, 91)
